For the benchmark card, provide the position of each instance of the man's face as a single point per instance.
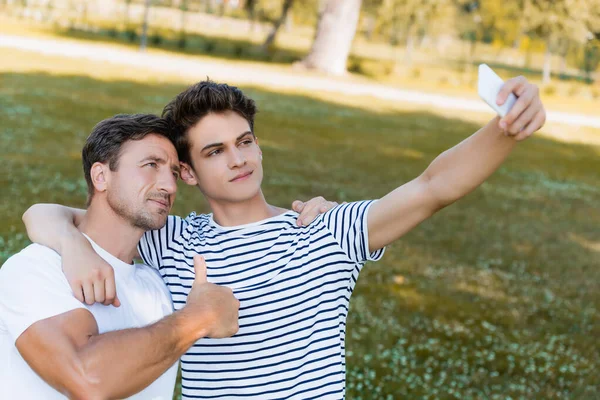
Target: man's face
(226, 157)
(143, 187)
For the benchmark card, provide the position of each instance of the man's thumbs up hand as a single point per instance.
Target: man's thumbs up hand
(213, 306)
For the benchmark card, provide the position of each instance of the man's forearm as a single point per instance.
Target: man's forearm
(121, 363)
(459, 170)
(52, 225)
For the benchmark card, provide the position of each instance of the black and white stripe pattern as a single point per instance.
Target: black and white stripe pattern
(294, 286)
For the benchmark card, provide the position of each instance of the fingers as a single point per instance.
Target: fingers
(98, 288)
(88, 293)
(537, 122)
(312, 208)
(328, 206)
(200, 269)
(525, 118)
(111, 291)
(298, 206)
(523, 102)
(514, 85)
(77, 289)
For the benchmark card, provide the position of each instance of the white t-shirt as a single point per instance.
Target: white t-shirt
(33, 288)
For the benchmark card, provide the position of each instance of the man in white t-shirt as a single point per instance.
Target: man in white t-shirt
(52, 345)
(293, 282)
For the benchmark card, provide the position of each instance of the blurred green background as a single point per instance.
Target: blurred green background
(496, 297)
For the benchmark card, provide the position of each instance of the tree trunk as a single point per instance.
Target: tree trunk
(287, 5)
(182, 36)
(335, 31)
(410, 42)
(251, 10)
(144, 40)
(126, 14)
(547, 64)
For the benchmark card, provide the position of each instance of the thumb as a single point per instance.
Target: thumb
(200, 269)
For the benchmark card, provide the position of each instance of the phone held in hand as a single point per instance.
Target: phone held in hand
(488, 87)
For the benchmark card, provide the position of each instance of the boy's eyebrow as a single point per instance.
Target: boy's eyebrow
(208, 146)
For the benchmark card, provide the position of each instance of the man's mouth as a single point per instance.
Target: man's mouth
(241, 177)
(162, 203)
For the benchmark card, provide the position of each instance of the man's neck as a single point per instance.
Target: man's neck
(241, 213)
(111, 232)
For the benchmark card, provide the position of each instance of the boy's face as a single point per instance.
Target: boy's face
(226, 157)
(143, 187)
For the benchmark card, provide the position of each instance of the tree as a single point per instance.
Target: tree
(404, 19)
(144, 40)
(250, 8)
(126, 13)
(556, 22)
(183, 7)
(336, 28)
(287, 5)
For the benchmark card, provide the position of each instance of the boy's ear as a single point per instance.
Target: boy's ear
(187, 174)
(99, 176)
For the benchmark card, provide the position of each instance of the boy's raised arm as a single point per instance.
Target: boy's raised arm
(459, 170)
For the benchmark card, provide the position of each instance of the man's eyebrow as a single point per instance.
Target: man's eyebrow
(208, 146)
(160, 160)
(154, 158)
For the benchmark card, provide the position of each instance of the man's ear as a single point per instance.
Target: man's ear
(98, 173)
(187, 174)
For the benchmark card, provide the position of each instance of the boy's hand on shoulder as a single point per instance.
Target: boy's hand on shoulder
(91, 278)
(310, 209)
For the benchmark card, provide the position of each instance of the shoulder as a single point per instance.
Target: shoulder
(33, 270)
(32, 258)
(355, 210)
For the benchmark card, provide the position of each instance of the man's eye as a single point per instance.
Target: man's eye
(152, 164)
(247, 142)
(215, 152)
(176, 175)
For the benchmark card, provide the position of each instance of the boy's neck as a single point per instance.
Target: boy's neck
(242, 213)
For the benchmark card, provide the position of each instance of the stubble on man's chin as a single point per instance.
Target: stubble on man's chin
(140, 218)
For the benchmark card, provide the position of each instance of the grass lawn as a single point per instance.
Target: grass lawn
(495, 297)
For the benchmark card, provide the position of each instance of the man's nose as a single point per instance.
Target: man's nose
(167, 182)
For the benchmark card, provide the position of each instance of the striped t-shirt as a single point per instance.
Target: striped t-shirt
(293, 284)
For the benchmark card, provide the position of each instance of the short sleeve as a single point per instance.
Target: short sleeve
(156, 243)
(348, 224)
(32, 288)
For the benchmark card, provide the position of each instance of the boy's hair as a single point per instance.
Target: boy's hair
(199, 100)
(108, 136)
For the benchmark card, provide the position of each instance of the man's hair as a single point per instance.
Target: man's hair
(108, 136)
(199, 100)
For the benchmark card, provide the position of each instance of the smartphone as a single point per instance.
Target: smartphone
(488, 87)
